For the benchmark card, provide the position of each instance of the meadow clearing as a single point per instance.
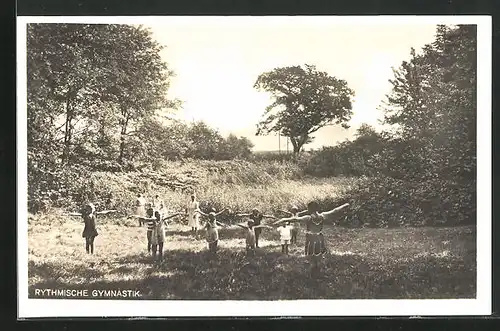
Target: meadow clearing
(363, 263)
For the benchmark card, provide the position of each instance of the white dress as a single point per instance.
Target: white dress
(193, 218)
(139, 204)
(285, 234)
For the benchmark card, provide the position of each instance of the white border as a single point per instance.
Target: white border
(28, 308)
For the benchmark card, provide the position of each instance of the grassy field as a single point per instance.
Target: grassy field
(405, 263)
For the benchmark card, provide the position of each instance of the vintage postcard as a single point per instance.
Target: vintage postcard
(254, 166)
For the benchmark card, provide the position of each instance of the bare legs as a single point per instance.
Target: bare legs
(89, 244)
(158, 250)
(294, 236)
(149, 235)
(284, 248)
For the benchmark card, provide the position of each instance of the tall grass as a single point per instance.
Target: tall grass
(363, 263)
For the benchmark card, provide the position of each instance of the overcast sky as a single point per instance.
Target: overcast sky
(216, 64)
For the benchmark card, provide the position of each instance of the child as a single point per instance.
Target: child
(256, 216)
(193, 217)
(294, 212)
(250, 235)
(148, 219)
(315, 242)
(89, 230)
(154, 227)
(140, 208)
(285, 232)
(212, 229)
(158, 234)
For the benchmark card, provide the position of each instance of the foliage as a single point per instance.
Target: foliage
(157, 141)
(433, 103)
(88, 83)
(388, 202)
(305, 100)
(349, 158)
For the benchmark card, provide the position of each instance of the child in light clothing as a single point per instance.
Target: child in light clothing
(158, 234)
(250, 235)
(155, 230)
(285, 232)
(257, 217)
(212, 229)
(294, 212)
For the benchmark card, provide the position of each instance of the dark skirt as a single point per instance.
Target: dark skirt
(315, 244)
(89, 231)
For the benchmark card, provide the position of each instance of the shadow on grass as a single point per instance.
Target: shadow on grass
(224, 233)
(270, 275)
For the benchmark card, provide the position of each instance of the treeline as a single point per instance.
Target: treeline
(431, 112)
(425, 164)
(156, 142)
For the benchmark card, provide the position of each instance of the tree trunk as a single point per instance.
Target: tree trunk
(296, 145)
(67, 131)
(122, 140)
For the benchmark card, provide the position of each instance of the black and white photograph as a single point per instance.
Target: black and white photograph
(254, 166)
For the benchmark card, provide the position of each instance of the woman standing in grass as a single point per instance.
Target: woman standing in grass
(256, 216)
(193, 216)
(211, 226)
(294, 212)
(315, 242)
(250, 235)
(140, 208)
(89, 230)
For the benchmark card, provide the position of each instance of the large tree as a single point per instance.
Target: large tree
(433, 103)
(305, 100)
(139, 79)
(88, 83)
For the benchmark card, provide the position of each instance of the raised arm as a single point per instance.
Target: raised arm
(200, 212)
(137, 216)
(293, 219)
(241, 226)
(289, 214)
(302, 213)
(333, 211)
(106, 211)
(243, 214)
(270, 216)
(222, 211)
(221, 224)
(170, 216)
(73, 214)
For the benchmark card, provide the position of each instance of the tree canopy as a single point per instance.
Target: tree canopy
(433, 102)
(305, 100)
(89, 81)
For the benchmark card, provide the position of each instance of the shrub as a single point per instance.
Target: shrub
(388, 202)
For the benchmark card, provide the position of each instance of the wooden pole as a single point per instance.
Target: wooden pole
(279, 142)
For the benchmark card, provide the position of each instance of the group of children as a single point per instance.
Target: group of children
(154, 215)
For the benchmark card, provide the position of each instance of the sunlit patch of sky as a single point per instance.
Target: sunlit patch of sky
(216, 66)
